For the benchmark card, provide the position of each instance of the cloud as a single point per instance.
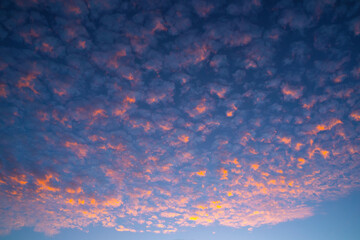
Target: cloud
(151, 116)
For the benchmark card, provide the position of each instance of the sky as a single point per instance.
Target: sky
(179, 120)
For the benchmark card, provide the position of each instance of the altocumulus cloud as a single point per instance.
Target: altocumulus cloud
(155, 116)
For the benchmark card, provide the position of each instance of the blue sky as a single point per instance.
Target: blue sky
(179, 119)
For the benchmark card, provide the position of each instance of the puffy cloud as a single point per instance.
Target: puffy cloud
(155, 116)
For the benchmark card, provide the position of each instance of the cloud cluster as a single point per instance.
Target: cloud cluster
(159, 115)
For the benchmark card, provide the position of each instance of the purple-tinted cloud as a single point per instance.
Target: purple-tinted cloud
(148, 116)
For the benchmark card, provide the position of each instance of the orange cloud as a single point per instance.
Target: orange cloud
(72, 190)
(219, 92)
(20, 179)
(27, 82)
(323, 152)
(224, 174)
(325, 127)
(113, 202)
(120, 112)
(99, 112)
(244, 139)
(146, 126)
(232, 161)
(230, 113)
(309, 105)
(298, 146)
(292, 92)
(44, 184)
(95, 138)
(201, 108)
(201, 53)
(355, 115)
(200, 173)
(80, 150)
(301, 161)
(129, 76)
(253, 151)
(119, 147)
(255, 166)
(166, 126)
(128, 99)
(184, 138)
(155, 98)
(121, 228)
(339, 78)
(285, 140)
